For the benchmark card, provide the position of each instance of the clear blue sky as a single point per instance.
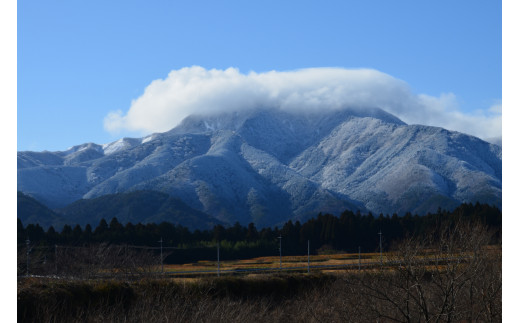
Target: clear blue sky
(79, 60)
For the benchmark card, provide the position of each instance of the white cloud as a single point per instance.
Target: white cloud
(195, 90)
(114, 121)
(496, 109)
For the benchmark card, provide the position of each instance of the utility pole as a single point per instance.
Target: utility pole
(56, 259)
(162, 265)
(308, 256)
(380, 248)
(27, 242)
(218, 259)
(359, 258)
(280, 237)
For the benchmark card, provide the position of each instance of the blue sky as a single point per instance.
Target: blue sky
(78, 61)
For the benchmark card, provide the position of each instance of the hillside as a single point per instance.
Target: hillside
(30, 210)
(268, 166)
(136, 207)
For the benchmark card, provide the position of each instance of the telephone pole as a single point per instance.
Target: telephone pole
(162, 265)
(308, 256)
(280, 237)
(218, 259)
(359, 257)
(380, 248)
(27, 242)
(56, 259)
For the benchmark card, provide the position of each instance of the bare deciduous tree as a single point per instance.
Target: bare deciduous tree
(449, 275)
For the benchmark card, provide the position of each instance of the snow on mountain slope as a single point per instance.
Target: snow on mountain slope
(389, 167)
(121, 144)
(268, 166)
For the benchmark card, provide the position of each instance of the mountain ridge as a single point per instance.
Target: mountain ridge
(269, 165)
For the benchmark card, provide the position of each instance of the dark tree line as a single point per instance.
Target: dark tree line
(326, 232)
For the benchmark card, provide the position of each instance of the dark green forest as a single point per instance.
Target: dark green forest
(326, 233)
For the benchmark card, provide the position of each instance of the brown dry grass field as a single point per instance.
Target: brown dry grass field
(316, 262)
(273, 262)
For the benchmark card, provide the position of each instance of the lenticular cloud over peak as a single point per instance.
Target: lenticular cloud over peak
(196, 90)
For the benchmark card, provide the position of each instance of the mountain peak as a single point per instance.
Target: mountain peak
(269, 165)
(234, 120)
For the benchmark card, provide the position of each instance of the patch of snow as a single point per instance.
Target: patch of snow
(113, 147)
(120, 144)
(148, 138)
(208, 126)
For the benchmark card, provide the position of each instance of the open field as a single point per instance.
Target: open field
(116, 262)
(273, 263)
(313, 263)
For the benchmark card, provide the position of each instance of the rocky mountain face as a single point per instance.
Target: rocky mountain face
(268, 166)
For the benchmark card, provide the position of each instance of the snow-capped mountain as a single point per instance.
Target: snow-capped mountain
(269, 165)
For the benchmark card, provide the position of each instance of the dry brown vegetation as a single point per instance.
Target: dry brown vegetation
(459, 281)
